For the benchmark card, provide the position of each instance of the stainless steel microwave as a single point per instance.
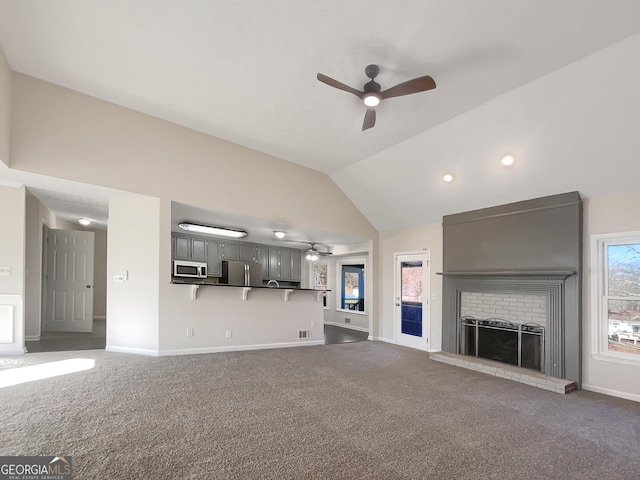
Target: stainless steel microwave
(183, 268)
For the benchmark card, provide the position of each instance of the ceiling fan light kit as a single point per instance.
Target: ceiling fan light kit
(372, 95)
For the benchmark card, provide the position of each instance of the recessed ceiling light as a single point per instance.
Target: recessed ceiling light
(222, 231)
(448, 177)
(507, 160)
(279, 234)
(84, 221)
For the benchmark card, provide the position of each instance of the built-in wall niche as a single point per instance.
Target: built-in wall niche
(532, 247)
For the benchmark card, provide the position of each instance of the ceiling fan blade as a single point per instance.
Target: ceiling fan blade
(369, 119)
(416, 85)
(341, 86)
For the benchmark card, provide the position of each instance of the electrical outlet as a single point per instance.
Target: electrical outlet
(118, 278)
(227, 334)
(190, 332)
(312, 324)
(5, 271)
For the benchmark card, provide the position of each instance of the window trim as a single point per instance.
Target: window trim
(352, 261)
(599, 290)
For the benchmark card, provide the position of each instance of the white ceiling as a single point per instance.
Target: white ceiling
(246, 71)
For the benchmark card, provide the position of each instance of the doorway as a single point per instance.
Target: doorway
(67, 321)
(411, 305)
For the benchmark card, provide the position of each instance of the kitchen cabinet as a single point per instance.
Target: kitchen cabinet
(214, 263)
(248, 252)
(199, 249)
(230, 251)
(284, 264)
(262, 255)
(296, 265)
(182, 247)
(278, 263)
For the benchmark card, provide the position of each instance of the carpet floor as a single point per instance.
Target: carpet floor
(361, 410)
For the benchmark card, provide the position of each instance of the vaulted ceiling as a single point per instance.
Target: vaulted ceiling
(246, 72)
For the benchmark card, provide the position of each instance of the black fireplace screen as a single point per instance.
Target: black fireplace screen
(503, 341)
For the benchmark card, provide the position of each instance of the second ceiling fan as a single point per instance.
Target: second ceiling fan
(372, 94)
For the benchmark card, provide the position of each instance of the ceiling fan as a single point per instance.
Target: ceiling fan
(372, 94)
(314, 254)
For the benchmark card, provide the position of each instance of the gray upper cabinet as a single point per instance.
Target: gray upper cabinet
(214, 264)
(262, 254)
(230, 251)
(248, 252)
(296, 265)
(274, 263)
(284, 264)
(199, 249)
(182, 247)
(277, 263)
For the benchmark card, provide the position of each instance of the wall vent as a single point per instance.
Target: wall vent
(347, 320)
(304, 334)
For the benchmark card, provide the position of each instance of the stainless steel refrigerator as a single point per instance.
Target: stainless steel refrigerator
(241, 273)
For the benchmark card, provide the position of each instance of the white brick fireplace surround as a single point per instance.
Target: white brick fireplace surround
(514, 308)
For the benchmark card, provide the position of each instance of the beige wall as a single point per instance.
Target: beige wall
(5, 109)
(12, 256)
(134, 246)
(62, 133)
(12, 238)
(419, 239)
(606, 214)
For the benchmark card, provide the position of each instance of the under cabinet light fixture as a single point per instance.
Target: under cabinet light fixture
(222, 231)
(279, 234)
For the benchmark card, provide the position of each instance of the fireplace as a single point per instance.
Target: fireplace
(514, 319)
(521, 345)
(505, 327)
(531, 251)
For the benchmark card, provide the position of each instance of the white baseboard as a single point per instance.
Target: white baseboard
(99, 317)
(32, 338)
(136, 351)
(347, 325)
(613, 393)
(13, 351)
(238, 348)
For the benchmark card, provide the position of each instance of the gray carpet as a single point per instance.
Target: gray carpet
(362, 410)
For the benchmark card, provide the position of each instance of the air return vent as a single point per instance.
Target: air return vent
(304, 334)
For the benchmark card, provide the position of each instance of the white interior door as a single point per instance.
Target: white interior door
(411, 301)
(69, 294)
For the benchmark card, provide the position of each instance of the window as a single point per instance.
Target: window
(320, 274)
(352, 287)
(617, 296)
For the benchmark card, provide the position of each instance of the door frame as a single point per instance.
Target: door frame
(420, 343)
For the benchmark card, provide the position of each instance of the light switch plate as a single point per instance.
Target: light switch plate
(5, 271)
